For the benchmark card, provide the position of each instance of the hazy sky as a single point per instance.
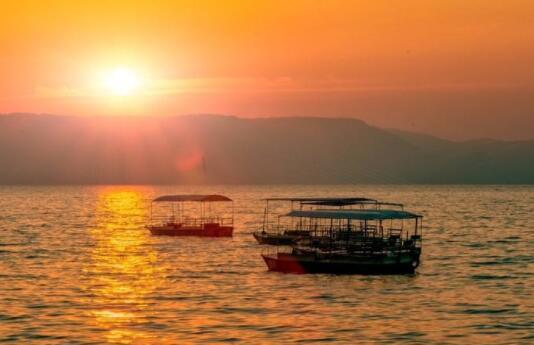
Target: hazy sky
(458, 69)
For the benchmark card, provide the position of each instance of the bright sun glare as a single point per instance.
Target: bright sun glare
(121, 81)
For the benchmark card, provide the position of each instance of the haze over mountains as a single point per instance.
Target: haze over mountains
(49, 149)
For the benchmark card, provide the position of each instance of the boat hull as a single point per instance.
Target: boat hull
(289, 263)
(220, 231)
(274, 239)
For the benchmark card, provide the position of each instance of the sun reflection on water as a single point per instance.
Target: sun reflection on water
(123, 268)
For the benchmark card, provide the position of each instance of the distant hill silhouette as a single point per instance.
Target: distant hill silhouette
(48, 149)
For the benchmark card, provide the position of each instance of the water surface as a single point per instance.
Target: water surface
(78, 267)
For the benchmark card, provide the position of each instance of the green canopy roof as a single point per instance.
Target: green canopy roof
(355, 214)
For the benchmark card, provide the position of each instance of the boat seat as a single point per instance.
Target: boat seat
(393, 239)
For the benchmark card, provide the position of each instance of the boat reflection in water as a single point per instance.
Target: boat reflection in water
(122, 270)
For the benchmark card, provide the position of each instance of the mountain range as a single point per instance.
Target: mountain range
(52, 149)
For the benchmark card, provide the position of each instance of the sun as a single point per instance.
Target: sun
(121, 81)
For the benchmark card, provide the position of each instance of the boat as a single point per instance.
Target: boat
(275, 233)
(185, 220)
(356, 241)
(275, 238)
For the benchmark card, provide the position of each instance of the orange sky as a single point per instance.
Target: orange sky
(458, 69)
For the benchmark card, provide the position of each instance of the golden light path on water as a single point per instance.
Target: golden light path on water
(123, 267)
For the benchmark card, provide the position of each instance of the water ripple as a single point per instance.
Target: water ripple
(78, 267)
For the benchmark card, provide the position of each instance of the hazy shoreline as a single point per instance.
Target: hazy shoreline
(211, 149)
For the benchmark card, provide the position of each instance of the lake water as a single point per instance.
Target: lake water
(78, 267)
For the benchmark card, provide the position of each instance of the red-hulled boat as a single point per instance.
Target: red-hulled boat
(206, 222)
(364, 241)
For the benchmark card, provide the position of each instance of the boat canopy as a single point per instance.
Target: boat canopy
(340, 202)
(355, 214)
(191, 197)
(327, 201)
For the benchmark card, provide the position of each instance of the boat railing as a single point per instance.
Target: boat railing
(359, 245)
(280, 229)
(192, 221)
(368, 239)
(325, 230)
